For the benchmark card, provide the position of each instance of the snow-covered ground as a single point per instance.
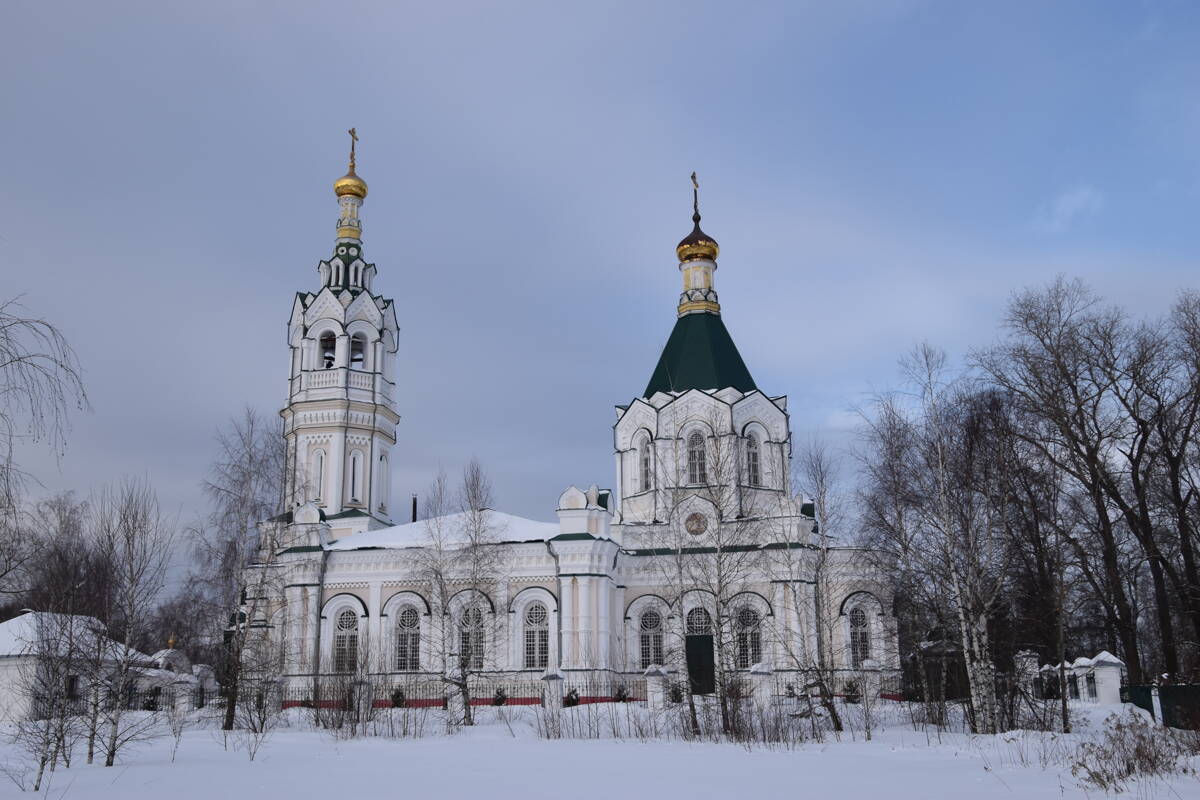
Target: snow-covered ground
(501, 760)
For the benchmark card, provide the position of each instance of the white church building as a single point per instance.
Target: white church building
(700, 559)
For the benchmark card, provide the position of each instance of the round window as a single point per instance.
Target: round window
(535, 615)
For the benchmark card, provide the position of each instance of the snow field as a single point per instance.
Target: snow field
(502, 757)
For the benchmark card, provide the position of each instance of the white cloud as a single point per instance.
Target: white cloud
(1069, 207)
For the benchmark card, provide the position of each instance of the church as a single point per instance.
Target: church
(699, 561)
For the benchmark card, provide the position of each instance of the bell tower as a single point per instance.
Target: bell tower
(339, 422)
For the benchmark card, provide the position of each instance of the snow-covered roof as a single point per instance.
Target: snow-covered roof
(451, 530)
(1105, 657)
(21, 635)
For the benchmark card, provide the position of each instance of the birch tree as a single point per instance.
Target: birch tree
(460, 556)
(138, 539)
(237, 549)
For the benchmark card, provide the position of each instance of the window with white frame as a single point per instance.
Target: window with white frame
(860, 637)
(537, 636)
(699, 622)
(470, 638)
(408, 640)
(696, 457)
(345, 641)
(650, 635)
(748, 626)
(646, 455)
(753, 461)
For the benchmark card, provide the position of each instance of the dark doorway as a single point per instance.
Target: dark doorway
(700, 664)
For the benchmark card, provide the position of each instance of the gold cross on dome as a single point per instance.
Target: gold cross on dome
(353, 140)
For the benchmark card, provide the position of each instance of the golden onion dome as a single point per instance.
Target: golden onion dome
(697, 244)
(350, 183)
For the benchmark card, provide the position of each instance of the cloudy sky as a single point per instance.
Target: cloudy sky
(877, 173)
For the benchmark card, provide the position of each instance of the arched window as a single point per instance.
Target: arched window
(650, 635)
(860, 638)
(753, 461)
(470, 638)
(408, 640)
(358, 351)
(749, 638)
(699, 623)
(328, 350)
(646, 457)
(385, 487)
(537, 637)
(697, 469)
(356, 460)
(318, 475)
(345, 641)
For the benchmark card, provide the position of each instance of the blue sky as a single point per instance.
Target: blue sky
(877, 173)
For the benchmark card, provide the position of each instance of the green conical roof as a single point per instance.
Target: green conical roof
(699, 355)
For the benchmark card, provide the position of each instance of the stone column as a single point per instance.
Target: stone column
(586, 625)
(375, 627)
(603, 632)
(570, 633)
(656, 687)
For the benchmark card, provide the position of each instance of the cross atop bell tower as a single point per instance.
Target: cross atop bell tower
(340, 422)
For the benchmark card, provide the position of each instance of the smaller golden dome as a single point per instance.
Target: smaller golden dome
(697, 244)
(350, 184)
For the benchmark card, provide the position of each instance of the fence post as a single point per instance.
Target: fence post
(1108, 677)
(656, 687)
(762, 684)
(1026, 668)
(870, 680)
(552, 695)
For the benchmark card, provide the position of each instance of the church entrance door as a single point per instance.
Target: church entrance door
(700, 663)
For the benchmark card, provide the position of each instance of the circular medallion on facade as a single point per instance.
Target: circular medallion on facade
(696, 523)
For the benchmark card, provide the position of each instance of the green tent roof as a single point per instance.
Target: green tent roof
(699, 355)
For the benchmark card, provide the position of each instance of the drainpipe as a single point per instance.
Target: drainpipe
(558, 581)
(316, 682)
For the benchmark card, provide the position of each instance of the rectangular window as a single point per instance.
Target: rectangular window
(860, 647)
(652, 649)
(471, 649)
(408, 652)
(537, 648)
(345, 652)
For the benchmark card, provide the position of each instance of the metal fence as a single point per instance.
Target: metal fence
(1179, 705)
(153, 699)
(337, 692)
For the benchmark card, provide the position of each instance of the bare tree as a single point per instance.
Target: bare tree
(50, 682)
(40, 382)
(138, 539)
(460, 557)
(237, 551)
(950, 481)
(714, 554)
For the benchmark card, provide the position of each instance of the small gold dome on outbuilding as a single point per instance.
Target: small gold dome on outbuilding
(350, 183)
(697, 244)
